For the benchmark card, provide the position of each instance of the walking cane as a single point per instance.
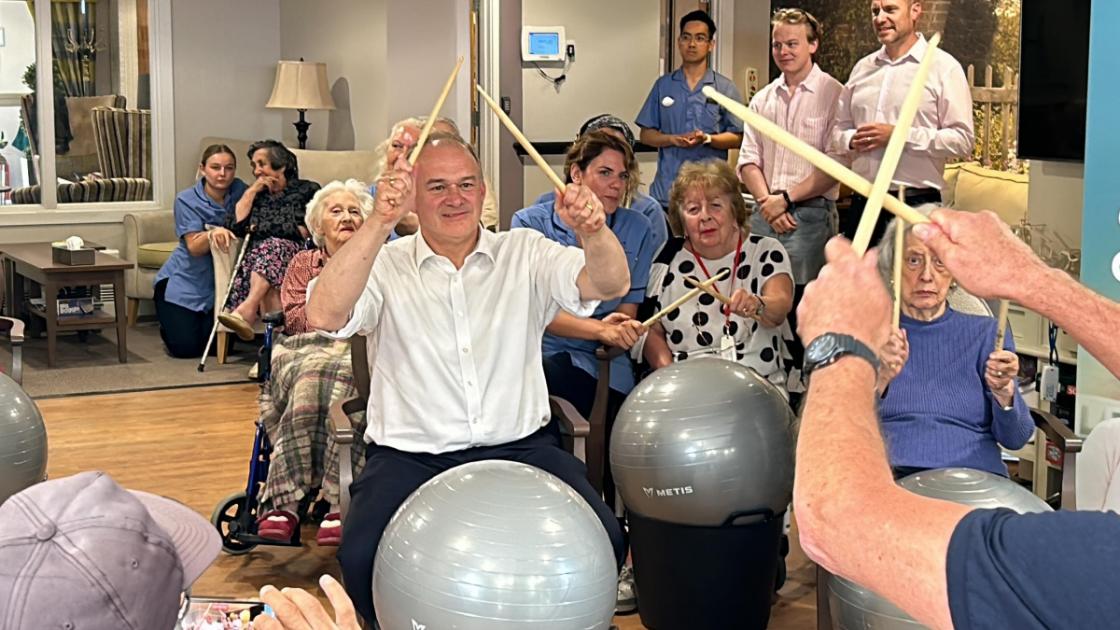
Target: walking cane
(229, 288)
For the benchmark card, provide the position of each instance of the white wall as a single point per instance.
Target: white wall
(617, 61)
(349, 36)
(424, 40)
(225, 56)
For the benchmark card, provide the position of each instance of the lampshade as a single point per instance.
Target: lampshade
(300, 85)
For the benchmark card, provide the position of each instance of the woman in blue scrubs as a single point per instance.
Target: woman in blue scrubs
(184, 286)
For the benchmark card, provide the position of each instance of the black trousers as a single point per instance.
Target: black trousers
(849, 220)
(390, 476)
(183, 331)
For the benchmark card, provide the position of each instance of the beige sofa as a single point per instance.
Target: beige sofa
(318, 166)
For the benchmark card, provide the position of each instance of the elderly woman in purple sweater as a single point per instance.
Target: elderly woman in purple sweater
(948, 397)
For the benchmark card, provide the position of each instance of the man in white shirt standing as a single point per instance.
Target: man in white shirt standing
(455, 315)
(872, 98)
(796, 201)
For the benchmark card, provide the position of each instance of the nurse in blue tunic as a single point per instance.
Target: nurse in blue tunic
(184, 286)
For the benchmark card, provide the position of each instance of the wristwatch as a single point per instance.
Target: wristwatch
(829, 347)
(707, 138)
(785, 197)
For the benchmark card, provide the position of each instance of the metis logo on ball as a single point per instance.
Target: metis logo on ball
(667, 492)
(417, 625)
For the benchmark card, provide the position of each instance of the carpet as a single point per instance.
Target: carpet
(91, 366)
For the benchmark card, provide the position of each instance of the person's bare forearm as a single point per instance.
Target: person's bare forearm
(847, 503)
(567, 325)
(752, 177)
(726, 140)
(245, 204)
(815, 185)
(777, 295)
(654, 138)
(198, 244)
(608, 275)
(343, 278)
(1090, 318)
(656, 350)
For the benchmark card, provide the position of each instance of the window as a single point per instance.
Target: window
(101, 114)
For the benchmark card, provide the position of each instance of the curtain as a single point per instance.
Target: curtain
(74, 42)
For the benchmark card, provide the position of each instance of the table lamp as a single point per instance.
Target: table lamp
(301, 85)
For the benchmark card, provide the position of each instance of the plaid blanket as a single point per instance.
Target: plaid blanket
(309, 372)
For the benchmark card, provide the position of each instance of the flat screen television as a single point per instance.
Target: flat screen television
(1054, 79)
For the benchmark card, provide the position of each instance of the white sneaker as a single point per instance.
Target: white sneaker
(627, 600)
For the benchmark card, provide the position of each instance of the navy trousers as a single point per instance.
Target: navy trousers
(390, 476)
(183, 331)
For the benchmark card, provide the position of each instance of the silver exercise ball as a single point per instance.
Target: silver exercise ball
(496, 545)
(23, 440)
(854, 607)
(701, 440)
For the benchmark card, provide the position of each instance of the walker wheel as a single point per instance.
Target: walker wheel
(226, 518)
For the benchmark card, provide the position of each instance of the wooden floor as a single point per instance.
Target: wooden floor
(193, 445)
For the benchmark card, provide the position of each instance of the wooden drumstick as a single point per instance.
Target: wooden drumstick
(899, 245)
(522, 140)
(893, 152)
(1001, 328)
(435, 113)
(836, 170)
(710, 290)
(714, 292)
(686, 297)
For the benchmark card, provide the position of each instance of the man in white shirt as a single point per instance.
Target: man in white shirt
(796, 201)
(455, 316)
(872, 98)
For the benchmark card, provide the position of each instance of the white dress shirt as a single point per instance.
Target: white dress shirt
(455, 354)
(808, 112)
(942, 127)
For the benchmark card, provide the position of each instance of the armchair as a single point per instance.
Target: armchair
(149, 239)
(122, 138)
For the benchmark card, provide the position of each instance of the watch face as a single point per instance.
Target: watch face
(821, 348)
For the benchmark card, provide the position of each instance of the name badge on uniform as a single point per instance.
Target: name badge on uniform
(667, 101)
(727, 347)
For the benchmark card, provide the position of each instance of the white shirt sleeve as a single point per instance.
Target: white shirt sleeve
(555, 270)
(954, 136)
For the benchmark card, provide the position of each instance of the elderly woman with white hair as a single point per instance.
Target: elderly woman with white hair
(309, 373)
(948, 397)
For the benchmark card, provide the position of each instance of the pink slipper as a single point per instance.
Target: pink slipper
(330, 531)
(278, 525)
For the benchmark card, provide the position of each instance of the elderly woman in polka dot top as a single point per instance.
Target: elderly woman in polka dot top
(706, 207)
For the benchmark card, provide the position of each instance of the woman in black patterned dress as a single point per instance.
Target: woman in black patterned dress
(272, 210)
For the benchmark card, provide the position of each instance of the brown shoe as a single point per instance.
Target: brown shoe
(235, 322)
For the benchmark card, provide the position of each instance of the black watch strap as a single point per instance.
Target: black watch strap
(785, 196)
(830, 347)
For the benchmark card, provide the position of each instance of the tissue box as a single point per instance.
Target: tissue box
(63, 256)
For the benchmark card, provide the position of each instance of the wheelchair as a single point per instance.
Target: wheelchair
(235, 516)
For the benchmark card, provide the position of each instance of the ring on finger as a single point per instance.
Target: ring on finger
(589, 205)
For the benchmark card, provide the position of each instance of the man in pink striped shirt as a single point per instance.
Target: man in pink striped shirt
(796, 201)
(871, 101)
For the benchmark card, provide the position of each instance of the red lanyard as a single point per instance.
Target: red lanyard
(730, 280)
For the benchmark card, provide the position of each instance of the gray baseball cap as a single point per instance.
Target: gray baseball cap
(82, 552)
